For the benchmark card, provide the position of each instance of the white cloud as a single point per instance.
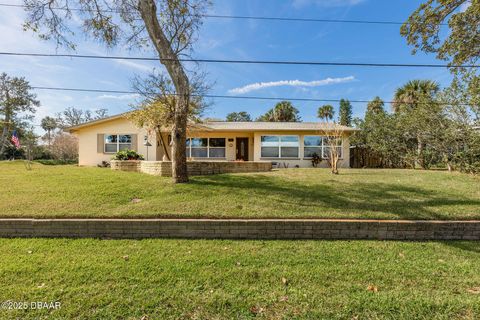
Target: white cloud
(119, 97)
(326, 3)
(135, 65)
(289, 83)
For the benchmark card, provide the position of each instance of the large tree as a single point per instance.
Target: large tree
(326, 112)
(332, 137)
(376, 106)
(241, 116)
(283, 111)
(17, 103)
(426, 30)
(414, 103)
(168, 26)
(345, 113)
(72, 116)
(49, 124)
(158, 116)
(415, 94)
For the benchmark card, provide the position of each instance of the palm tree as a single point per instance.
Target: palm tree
(414, 93)
(326, 112)
(49, 124)
(376, 106)
(283, 111)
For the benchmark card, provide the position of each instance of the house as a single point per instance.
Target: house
(285, 144)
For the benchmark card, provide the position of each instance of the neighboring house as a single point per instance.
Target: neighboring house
(288, 144)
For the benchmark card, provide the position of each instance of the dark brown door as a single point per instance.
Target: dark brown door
(242, 149)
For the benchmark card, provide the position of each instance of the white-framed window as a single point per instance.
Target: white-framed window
(206, 147)
(117, 142)
(279, 146)
(320, 145)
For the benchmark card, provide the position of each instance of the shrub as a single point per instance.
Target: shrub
(316, 159)
(104, 164)
(64, 147)
(127, 155)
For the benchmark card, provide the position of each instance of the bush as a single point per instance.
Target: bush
(127, 155)
(64, 147)
(316, 159)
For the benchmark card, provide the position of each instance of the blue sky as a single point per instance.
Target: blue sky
(242, 39)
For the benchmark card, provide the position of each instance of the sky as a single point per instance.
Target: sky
(245, 40)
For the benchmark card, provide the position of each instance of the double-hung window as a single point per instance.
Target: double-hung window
(206, 147)
(117, 142)
(321, 146)
(279, 146)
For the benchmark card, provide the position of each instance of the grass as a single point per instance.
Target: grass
(70, 191)
(200, 279)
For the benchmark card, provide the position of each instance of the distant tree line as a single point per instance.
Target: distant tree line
(18, 106)
(285, 111)
(421, 131)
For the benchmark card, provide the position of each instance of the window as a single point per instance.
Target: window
(320, 146)
(199, 147)
(279, 146)
(117, 142)
(312, 145)
(206, 147)
(216, 148)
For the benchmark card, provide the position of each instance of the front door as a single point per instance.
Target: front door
(242, 149)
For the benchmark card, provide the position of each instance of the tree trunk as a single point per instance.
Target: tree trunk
(164, 145)
(179, 141)
(420, 153)
(180, 80)
(6, 126)
(449, 167)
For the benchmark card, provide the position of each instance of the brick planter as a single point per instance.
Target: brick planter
(241, 229)
(125, 165)
(195, 168)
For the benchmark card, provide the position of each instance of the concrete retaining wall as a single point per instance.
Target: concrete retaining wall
(195, 168)
(241, 229)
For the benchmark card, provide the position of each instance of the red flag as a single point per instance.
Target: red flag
(15, 140)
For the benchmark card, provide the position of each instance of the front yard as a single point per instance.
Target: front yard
(201, 279)
(70, 191)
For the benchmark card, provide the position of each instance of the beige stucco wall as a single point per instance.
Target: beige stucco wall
(88, 155)
(87, 141)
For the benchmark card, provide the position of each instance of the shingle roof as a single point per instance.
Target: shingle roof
(238, 126)
(271, 126)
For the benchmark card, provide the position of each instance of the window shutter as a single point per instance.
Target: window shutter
(134, 142)
(100, 143)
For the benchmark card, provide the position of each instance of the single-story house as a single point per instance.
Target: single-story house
(288, 144)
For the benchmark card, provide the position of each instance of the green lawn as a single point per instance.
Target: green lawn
(70, 191)
(201, 279)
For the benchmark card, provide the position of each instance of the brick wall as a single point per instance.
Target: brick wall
(195, 168)
(130, 165)
(241, 229)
